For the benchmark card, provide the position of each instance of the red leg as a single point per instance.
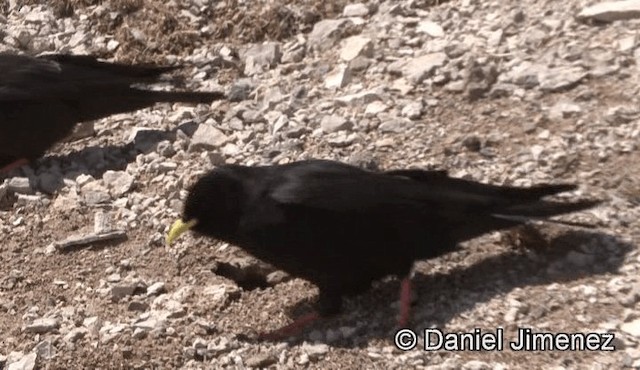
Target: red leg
(405, 302)
(13, 165)
(292, 329)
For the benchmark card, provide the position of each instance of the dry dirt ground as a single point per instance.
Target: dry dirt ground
(547, 277)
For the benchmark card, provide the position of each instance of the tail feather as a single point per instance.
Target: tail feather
(524, 220)
(516, 195)
(540, 211)
(120, 69)
(539, 191)
(546, 208)
(440, 178)
(476, 208)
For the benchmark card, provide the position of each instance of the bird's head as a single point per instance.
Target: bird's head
(212, 208)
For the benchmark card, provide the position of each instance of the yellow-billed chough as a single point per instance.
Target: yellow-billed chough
(43, 98)
(342, 227)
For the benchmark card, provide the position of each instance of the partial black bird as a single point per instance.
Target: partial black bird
(342, 227)
(43, 98)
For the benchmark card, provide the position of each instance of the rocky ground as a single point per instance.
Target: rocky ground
(507, 92)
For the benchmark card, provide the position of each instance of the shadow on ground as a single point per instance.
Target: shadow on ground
(444, 296)
(95, 160)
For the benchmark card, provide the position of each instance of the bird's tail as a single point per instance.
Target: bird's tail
(109, 74)
(440, 178)
(534, 192)
(140, 71)
(541, 210)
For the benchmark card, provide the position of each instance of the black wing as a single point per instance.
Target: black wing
(69, 76)
(440, 179)
(343, 188)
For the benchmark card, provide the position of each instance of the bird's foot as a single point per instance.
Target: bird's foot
(292, 329)
(405, 302)
(13, 165)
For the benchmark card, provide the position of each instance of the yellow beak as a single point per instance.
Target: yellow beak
(178, 228)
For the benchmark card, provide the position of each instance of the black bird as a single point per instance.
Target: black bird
(342, 227)
(43, 98)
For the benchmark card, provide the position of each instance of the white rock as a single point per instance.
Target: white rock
(219, 292)
(27, 362)
(315, 351)
(261, 57)
(326, 32)
(495, 38)
(83, 179)
(430, 28)
(20, 185)
(413, 110)
(112, 45)
(75, 334)
(338, 78)
(356, 46)
(41, 326)
(208, 137)
(93, 193)
(612, 11)
(355, 10)
(398, 125)
(402, 85)
(45, 350)
(564, 109)
(114, 278)
(144, 138)
(626, 44)
(536, 151)
(3, 190)
(556, 79)
(92, 323)
(342, 140)
(101, 222)
(374, 108)
(632, 328)
(156, 288)
(124, 289)
(364, 97)
(118, 182)
(334, 123)
(419, 68)
(152, 323)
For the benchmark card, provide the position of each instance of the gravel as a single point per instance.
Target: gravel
(507, 92)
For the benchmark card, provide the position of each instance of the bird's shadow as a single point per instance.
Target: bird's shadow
(47, 174)
(444, 296)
